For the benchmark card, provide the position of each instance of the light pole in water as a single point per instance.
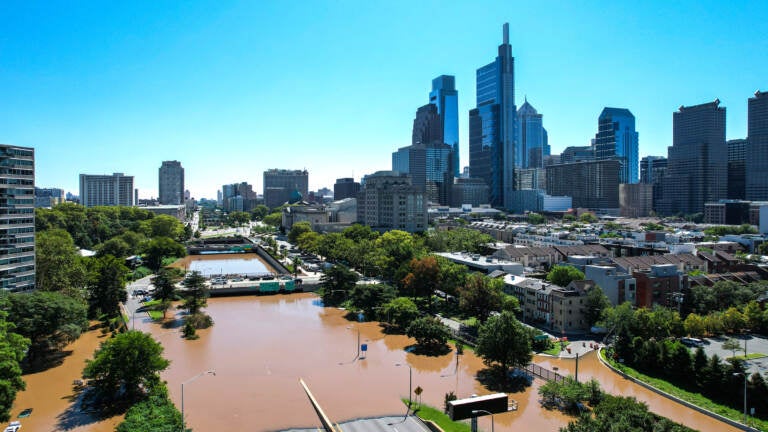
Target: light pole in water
(183, 419)
(410, 384)
(476, 412)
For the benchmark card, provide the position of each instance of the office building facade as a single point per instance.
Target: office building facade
(171, 183)
(48, 197)
(281, 184)
(616, 138)
(345, 188)
(17, 218)
(577, 154)
(238, 197)
(389, 201)
(592, 184)
(697, 169)
(635, 200)
(756, 168)
(492, 126)
(531, 137)
(446, 99)
(106, 190)
(430, 167)
(472, 191)
(737, 162)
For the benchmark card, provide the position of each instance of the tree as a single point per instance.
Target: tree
(195, 293)
(481, 295)
(163, 226)
(422, 280)
(694, 325)
(58, 265)
(298, 229)
(309, 241)
(336, 283)
(596, 303)
(259, 212)
(562, 275)
(161, 247)
(115, 246)
(588, 218)
(733, 320)
(106, 289)
(157, 413)
(12, 349)
(732, 345)
(536, 219)
(126, 366)
(503, 341)
(274, 219)
(429, 333)
(369, 297)
(400, 312)
(48, 319)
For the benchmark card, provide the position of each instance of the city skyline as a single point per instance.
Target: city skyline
(219, 87)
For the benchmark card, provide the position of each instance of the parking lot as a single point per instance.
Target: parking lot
(755, 344)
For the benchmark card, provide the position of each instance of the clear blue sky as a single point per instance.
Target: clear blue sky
(233, 88)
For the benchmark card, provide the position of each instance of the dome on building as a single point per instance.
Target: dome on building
(296, 196)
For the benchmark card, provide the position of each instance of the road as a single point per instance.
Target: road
(134, 302)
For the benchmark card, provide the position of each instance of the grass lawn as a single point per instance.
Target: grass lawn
(155, 315)
(694, 398)
(426, 412)
(750, 356)
(554, 351)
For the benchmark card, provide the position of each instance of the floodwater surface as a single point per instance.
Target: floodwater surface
(224, 264)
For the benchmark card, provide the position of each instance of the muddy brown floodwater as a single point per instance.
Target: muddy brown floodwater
(261, 346)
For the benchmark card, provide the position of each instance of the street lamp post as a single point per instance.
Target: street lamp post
(410, 384)
(744, 374)
(476, 412)
(183, 419)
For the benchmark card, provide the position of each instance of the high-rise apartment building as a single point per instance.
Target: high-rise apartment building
(737, 161)
(697, 161)
(591, 184)
(616, 138)
(756, 169)
(48, 197)
(106, 190)
(430, 167)
(171, 183)
(238, 197)
(345, 188)
(445, 97)
(530, 138)
(389, 201)
(427, 125)
(17, 218)
(280, 184)
(492, 126)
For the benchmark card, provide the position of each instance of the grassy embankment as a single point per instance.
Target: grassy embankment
(694, 398)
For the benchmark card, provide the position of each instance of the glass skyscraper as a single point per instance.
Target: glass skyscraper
(616, 138)
(756, 174)
(445, 97)
(492, 126)
(530, 138)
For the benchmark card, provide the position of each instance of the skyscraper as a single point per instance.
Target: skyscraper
(281, 184)
(430, 167)
(698, 160)
(530, 137)
(388, 201)
(737, 160)
(616, 138)
(653, 169)
(17, 218)
(445, 97)
(492, 146)
(756, 170)
(171, 183)
(345, 188)
(106, 190)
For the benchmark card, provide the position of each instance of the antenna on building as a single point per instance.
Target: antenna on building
(506, 33)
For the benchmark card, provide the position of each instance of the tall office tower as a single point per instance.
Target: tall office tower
(430, 167)
(756, 172)
(388, 201)
(48, 197)
(492, 146)
(345, 188)
(17, 218)
(653, 169)
(238, 197)
(547, 149)
(737, 155)
(530, 137)
(281, 185)
(171, 183)
(591, 184)
(445, 97)
(616, 138)
(426, 125)
(106, 190)
(697, 160)
(577, 154)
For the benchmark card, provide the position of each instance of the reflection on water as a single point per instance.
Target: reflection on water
(261, 346)
(225, 264)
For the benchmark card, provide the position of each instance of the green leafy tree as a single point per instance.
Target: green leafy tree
(163, 226)
(275, 219)
(49, 319)
(481, 295)
(336, 283)
(195, 292)
(58, 265)
(238, 218)
(162, 247)
(452, 275)
(596, 303)
(562, 275)
(694, 325)
(369, 297)
(429, 333)
(156, 413)
(422, 280)
(457, 240)
(309, 241)
(106, 288)
(536, 219)
(12, 350)
(503, 342)
(359, 232)
(126, 366)
(400, 312)
(298, 229)
(731, 345)
(568, 217)
(733, 320)
(588, 218)
(259, 212)
(115, 246)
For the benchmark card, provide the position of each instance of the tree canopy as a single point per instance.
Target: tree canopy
(336, 283)
(481, 295)
(12, 349)
(502, 341)
(563, 275)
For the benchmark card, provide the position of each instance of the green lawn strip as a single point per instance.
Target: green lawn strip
(750, 356)
(151, 304)
(694, 398)
(554, 351)
(155, 315)
(426, 412)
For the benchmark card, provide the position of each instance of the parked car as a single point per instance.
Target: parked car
(13, 426)
(691, 342)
